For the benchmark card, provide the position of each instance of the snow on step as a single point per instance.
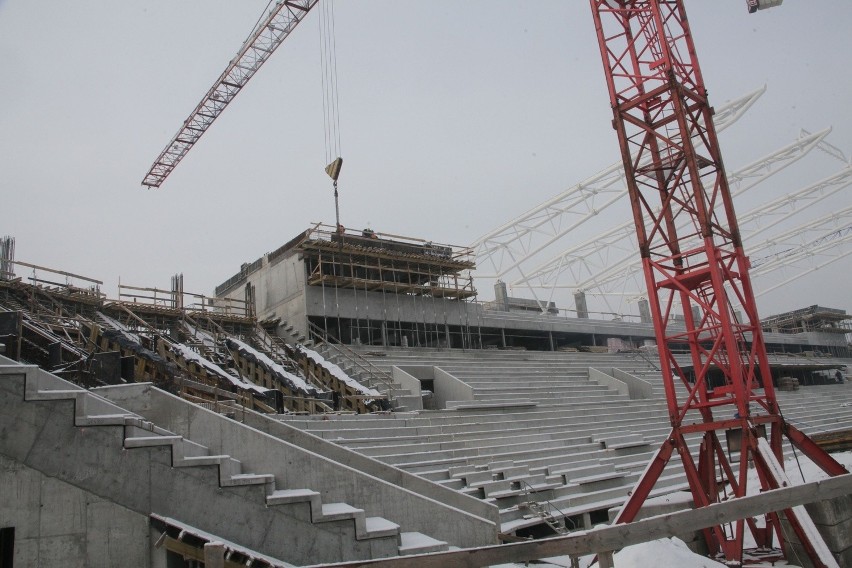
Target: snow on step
(419, 543)
(286, 496)
(378, 526)
(479, 405)
(103, 420)
(50, 394)
(336, 511)
(146, 441)
(250, 479)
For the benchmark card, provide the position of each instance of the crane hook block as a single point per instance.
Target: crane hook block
(333, 169)
(755, 5)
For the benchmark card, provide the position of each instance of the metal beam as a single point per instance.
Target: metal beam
(616, 537)
(264, 39)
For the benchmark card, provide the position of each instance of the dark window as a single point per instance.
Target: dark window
(7, 546)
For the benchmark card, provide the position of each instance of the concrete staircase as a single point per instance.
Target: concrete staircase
(98, 446)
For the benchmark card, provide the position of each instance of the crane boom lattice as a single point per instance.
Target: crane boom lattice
(264, 39)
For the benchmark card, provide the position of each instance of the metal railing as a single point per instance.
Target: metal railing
(544, 509)
(357, 361)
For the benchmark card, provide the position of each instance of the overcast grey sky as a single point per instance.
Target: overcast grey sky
(456, 116)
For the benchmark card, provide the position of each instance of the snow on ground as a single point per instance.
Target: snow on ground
(666, 552)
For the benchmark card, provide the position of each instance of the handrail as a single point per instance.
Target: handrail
(550, 505)
(352, 357)
(269, 343)
(647, 359)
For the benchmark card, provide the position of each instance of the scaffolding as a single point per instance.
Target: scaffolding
(811, 319)
(387, 263)
(387, 274)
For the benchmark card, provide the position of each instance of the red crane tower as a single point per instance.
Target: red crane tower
(674, 173)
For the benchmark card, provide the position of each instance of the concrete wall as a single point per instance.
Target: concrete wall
(638, 388)
(445, 386)
(412, 384)
(388, 307)
(451, 388)
(833, 519)
(279, 290)
(58, 524)
(302, 460)
(606, 379)
(623, 382)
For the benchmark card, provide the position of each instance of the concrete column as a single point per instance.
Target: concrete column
(696, 315)
(645, 312)
(580, 304)
(501, 296)
(214, 555)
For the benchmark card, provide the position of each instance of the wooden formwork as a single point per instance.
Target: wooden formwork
(293, 399)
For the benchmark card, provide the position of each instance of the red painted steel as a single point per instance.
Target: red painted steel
(695, 276)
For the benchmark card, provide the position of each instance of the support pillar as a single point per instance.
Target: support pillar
(645, 312)
(501, 296)
(580, 304)
(214, 555)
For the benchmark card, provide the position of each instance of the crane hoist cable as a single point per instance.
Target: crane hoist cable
(328, 64)
(330, 104)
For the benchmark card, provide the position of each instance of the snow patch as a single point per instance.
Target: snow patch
(120, 327)
(336, 371)
(215, 369)
(286, 376)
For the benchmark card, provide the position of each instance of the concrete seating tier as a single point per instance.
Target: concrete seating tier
(581, 447)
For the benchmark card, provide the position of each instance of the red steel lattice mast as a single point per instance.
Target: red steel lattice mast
(676, 179)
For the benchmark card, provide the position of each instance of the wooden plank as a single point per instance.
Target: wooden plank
(192, 552)
(616, 537)
(69, 274)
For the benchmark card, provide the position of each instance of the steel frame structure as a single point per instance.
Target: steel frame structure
(508, 246)
(676, 178)
(592, 264)
(753, 223)
(264, 39)
(812, 255)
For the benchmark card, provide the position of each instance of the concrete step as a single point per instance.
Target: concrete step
(418, 543)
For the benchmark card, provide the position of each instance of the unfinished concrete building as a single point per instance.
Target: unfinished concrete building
(294, 401)
(358, 287)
